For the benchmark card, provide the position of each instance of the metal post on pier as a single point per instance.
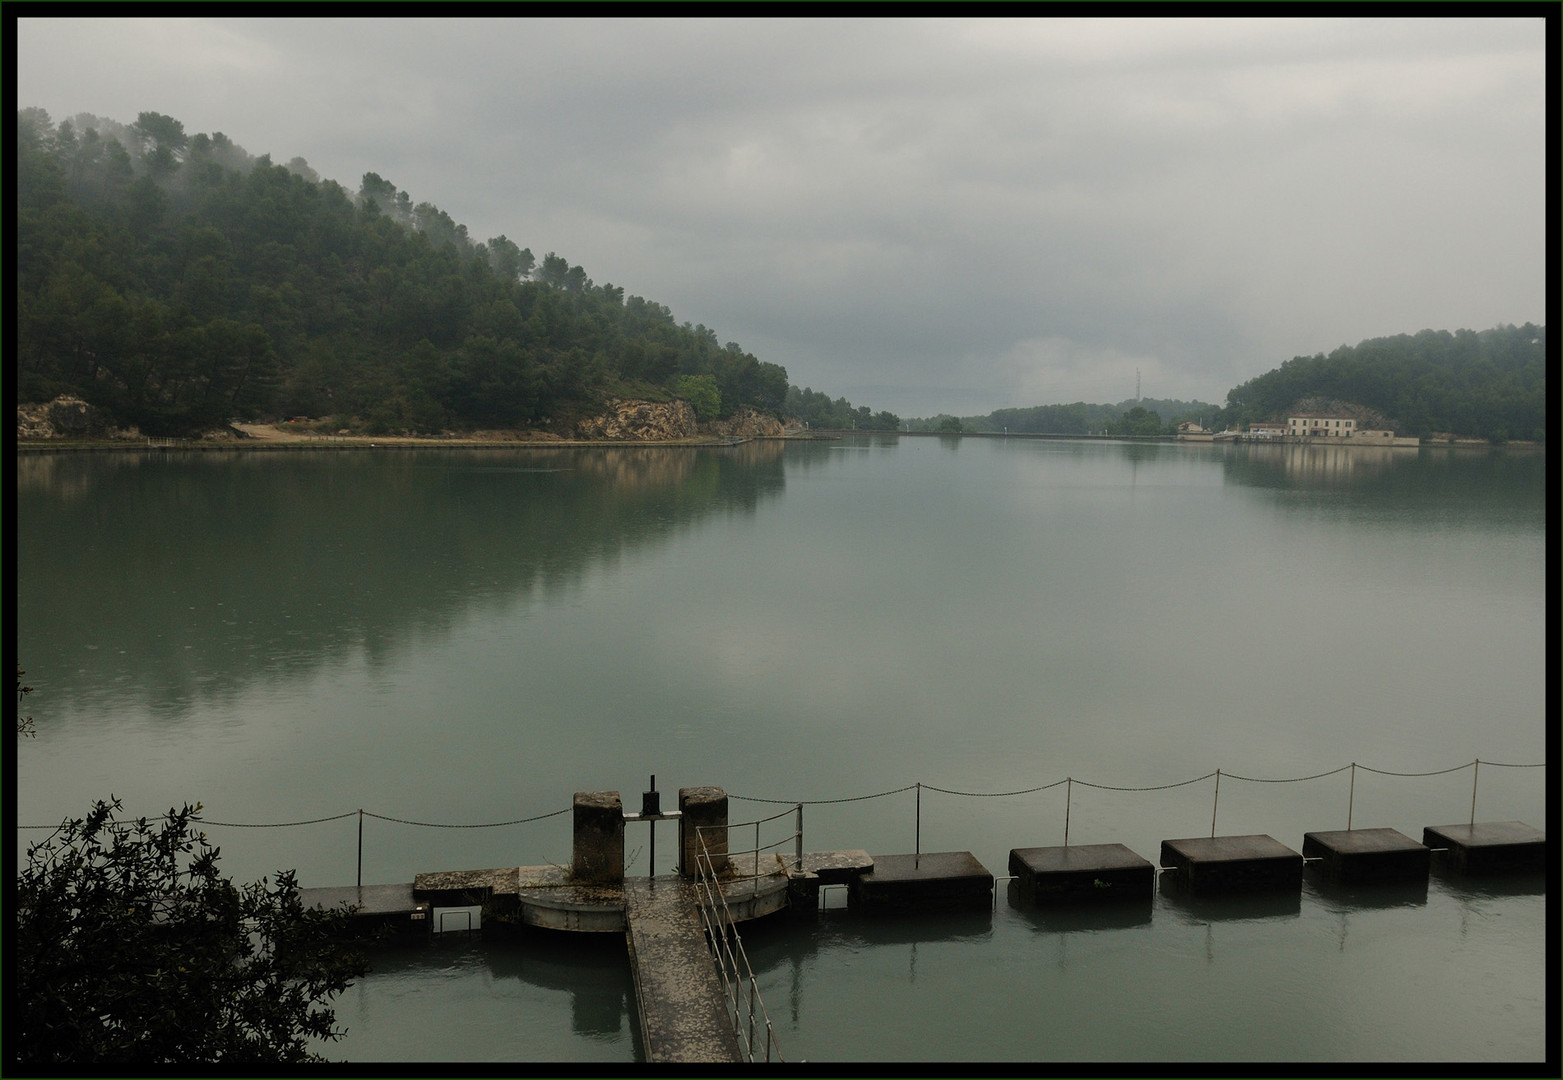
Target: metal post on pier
(1351, 795)
(797, 858)
(1475, 772)
(917, 835)
(1215, 803)
(360, 847)
(1069, 788)
(651, 804)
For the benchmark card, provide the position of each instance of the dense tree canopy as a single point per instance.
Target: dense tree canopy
(821, 411)
(176, 282)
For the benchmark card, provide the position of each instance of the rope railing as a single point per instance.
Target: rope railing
(360, 814)
(339, 817)
(1070, 781)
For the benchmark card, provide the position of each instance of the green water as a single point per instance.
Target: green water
(470, 637)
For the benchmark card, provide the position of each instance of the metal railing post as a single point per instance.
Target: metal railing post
(1069, 788)
(798, 847)
(1475, 772)
(360, 847)
(917, 835)
(1351, 796)
(1214, 803)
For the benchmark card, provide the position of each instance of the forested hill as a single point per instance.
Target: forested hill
(1489, 384)
(176, 282)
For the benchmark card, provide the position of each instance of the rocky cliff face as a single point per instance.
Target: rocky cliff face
(66, 418)
(650, 421)
(746, 423)
(641, 421)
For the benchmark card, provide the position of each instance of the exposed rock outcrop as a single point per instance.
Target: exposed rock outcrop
(641, 421)
(67, 417)
(746, 423)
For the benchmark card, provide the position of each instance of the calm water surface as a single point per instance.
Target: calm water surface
(470, 637)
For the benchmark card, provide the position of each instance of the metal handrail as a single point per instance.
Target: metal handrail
(739, 986)
(796, 836)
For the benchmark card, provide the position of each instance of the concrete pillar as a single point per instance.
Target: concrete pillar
(599, 838)
(702, 807)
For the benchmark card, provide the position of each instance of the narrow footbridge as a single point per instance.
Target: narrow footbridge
(683, 1006)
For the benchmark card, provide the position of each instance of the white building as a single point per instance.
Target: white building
(1321, 426)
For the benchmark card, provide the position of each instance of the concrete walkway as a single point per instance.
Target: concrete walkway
(683, 1011)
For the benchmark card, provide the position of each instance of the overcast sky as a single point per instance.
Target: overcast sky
(921, 216)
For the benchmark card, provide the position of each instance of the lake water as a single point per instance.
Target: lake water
(468, 637)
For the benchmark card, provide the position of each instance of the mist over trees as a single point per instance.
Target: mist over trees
(176, 282)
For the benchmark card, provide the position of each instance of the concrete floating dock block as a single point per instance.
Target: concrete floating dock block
(455, 888)
(702, 807)
(1356, 856)
(1091, 873)
(1489, 847)
(932, 881)
(1214, 864)
(599, 838)
(374, 905)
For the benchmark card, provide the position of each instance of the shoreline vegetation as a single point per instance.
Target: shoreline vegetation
(270, 437)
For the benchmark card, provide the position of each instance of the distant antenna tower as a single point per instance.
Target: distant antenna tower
(1137, 384)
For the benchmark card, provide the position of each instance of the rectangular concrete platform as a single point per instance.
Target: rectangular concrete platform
(837, 867)
(932, 881)
(452, 888)
(1091, 873)
(1215, 864)
(1489, 847)
(389, 905)
(1358, 856)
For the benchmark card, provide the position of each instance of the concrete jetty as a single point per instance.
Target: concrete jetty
(1359, 856)
(691, 983)
(1210, 864)
(1084, 873)
(374, 906)
(682, 1006)
(930, 881)
(1489, 847)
